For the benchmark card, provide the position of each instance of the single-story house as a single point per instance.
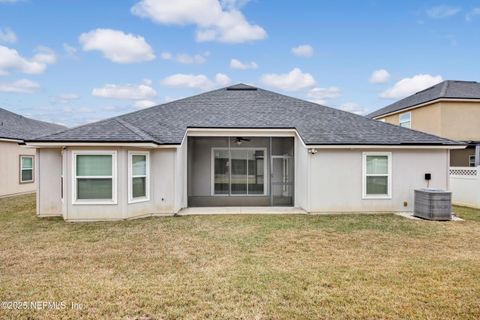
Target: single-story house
(235, 146)
(17, 163)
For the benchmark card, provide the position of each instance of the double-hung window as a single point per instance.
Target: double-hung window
(377, 175)
(471, 161)
(26, 169)
(406, 120)
(138, 176)
(94, 177)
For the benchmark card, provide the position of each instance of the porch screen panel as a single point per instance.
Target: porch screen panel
(239, 171)
(255, 178)
(222, 175)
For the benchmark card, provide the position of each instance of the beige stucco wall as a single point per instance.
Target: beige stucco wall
(10, 169)
(335, 179)
(163, 176)
(461, 120)
(328, 181)
(48, 175)
(456, 120)
(426, 119)
(302, 176)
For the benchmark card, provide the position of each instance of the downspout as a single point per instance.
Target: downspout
(477, 155)
(37, 177)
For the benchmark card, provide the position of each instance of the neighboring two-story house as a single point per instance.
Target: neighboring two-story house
(450, 109)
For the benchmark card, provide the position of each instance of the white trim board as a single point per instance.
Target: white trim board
(423, 105)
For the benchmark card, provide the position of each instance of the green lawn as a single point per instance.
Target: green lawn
(243, 267)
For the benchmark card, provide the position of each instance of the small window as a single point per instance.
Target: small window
(406, 120)
(471, 161)
(377, 180)
(94, 177)
(382, 120)
(26, 169)
(138, 176)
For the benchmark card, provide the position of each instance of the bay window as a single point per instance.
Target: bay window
(138, 176)
(94, 177)
(26, 169)
(377, 175)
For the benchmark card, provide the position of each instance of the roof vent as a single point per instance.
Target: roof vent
(241, 87)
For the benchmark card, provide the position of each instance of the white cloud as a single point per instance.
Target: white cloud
(380, 76)
(472, 14)
(10, 1)
(117, 46)
(186, 58)
(222, 79)
(320, 95)
(199, 81)
(66, 97)
(69, 109)
(353, 108)
(304, 50)
(126, 92)
(170, 99)
(142, 104)
(166, 55)
(44, 55)
(442, 11)
(237, 64)
(409, 86)
(19, 86)
(7, 35)
(215, 21)
(71, 51)
(10, 59)
(292, 81)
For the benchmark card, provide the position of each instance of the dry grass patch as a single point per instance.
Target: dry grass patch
(243, 267)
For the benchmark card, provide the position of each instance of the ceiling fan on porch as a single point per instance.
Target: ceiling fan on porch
(239, 140)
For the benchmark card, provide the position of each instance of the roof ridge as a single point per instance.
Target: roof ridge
(446, 83)
(139, 132)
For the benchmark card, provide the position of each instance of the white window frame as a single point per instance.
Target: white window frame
(382, 120)
(131, 199)
(364, 176)
(21, 168)
(471, 160)
(400, 122)
(212, 175)
(112, 201)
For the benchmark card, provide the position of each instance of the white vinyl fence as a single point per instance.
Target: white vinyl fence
(465, 186)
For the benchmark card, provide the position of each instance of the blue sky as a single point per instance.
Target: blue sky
(73, 62)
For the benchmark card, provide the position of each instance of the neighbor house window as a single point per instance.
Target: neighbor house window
(138, 176)
(26, 169)
(94, 175)
(471, 161)
(240, 171)
(377, 175)
(406, 120)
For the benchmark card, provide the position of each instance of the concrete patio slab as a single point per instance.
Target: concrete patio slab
(240, 210)
(409, 215)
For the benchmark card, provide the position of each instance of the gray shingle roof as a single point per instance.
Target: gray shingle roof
(15, 126)
(449, 89)
(243, 106)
